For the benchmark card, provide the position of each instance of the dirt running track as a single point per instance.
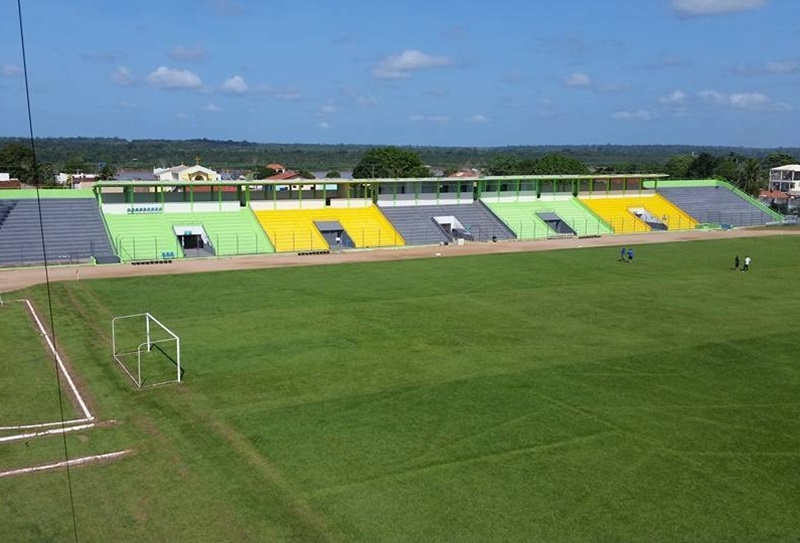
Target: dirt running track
(18, 278)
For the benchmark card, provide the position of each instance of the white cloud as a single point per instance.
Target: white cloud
(324, 125)
(712, 96)
(578, 80)
(774, 67)
(638, 115)
(783, 67)
(748, 100)
(675, 98)
(418, 118)
(287, 94)
(183, 52)
(122, 76)
(328, 109)
(11, 70)
(697, 8)
(170, 78)
(478, 119)
(181, 116)
(401, 66)
(367, 101)
(752, 101)
(235, 85)
(210, 107)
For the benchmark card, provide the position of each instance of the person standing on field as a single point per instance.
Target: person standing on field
(622, 254)
(736, 263)
(746, 266)
(630, 255)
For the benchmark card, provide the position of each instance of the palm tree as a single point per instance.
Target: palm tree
(749, 178)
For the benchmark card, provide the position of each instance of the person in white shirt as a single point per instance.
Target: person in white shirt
(746, 266)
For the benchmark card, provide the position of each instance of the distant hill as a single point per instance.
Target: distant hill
(244, 154)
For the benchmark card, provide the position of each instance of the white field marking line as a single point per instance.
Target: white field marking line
(73, 462)
(86, 413)
(43, 425)
(52, 431)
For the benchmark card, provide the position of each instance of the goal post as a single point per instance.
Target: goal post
(148, 351)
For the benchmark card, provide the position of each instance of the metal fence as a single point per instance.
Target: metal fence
(743, 218)
(72, 253)
(155, 247)
(311, 240)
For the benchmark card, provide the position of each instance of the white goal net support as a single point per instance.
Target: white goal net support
(148, 351)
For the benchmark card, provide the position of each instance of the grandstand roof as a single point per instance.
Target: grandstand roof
(787, 168)
(259, 182)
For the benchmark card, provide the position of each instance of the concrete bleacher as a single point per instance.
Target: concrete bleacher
(653, 213)
(152, 236)
(717, 204)
(73, 231)
(419, 227)
(521, 218)
(416, 225)
(548, 217)
(295, 230)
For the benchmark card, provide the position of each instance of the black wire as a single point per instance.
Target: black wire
(35, 172)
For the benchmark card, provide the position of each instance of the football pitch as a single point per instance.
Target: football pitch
(553, 396)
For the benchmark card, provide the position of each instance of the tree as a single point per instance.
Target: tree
(108, 172)
(47, 173)
(17, 160)
(503, 165)
(390, 162)
(262, 172)
(750, 179)
(678, 166)
(773, 160)
(727, 170)
(333, 174)
(76, 164)
(305, 174)
(702, 166)
(527, 166)
(556, 164)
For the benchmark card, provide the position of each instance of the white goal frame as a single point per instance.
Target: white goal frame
(145, 346)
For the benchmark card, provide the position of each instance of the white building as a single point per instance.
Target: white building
(75, 179)
(186, 173)
(785, 179)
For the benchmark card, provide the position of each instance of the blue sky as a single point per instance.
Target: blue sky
(435, 72)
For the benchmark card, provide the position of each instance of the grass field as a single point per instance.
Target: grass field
(558, 396)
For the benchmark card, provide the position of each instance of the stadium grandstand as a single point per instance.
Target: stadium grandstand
(162, 220)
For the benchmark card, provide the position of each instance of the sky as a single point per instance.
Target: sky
(415, 72)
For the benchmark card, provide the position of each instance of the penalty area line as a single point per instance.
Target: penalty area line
(86, 413)
(44, 425)
(74, 462)
(53, 431)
